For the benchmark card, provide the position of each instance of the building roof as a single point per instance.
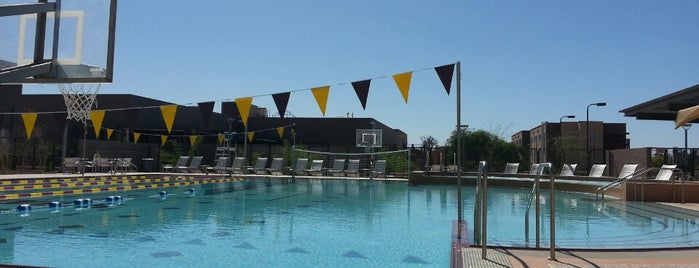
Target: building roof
(665, 107)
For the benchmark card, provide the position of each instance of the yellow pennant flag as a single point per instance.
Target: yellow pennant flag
(136, 136)
(97, 117)
(168, 112)
(220, 138)
(280, 130)
(244, 105)
(192, 139)
(29, 120)
(163, 139)
(403, 83)
(250, 135)
(321, 95)
(109, 133)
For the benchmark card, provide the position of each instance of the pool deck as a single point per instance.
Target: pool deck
(504, 257)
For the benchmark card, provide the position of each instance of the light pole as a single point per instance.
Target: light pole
(587, 136)
(686, 127)
(560, 135)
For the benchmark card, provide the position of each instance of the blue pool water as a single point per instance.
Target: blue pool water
(313, 223)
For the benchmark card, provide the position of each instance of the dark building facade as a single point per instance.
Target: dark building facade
(126, 114)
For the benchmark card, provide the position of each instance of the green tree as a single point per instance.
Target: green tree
(481, 145)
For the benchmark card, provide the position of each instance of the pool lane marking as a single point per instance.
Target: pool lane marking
(112, 189)
(60, 180)
(93, 183)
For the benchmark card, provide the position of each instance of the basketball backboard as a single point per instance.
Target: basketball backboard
(57, 41)
(367, 138)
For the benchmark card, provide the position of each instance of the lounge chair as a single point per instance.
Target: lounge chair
(352, 167)
(125, 165)
(534, 170)
(316, 167)
(452, 169)
(300, 168)
(195, 164)
(237, 166)
(220, 166)
(437, 168)
(568, 169)
(597, 170)
(259, 167)
(338, 167)
(276, 166)
(511, 168)
(627, 170)
(101, 164)
(181, 162)
(379, 169)
(71, 165)
(665, 172)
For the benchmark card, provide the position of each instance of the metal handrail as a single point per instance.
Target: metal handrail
(640, 175)
(552, 207)
(481, 209)
(602, 189)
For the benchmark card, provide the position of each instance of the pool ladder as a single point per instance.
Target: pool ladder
(534, 196)
(641, 175)
(480, 229)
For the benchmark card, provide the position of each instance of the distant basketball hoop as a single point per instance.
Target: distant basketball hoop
(369, 138)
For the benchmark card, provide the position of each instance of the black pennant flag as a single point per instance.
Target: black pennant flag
(281, 100)
(445, 73)
(206, 109)
(362, 90)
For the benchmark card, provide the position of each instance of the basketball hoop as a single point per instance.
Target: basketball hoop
(79, 100)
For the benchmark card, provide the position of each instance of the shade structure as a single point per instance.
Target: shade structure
(686, 115)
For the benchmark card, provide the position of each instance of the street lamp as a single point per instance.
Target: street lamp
(560, 135)
(587, 136)
(686, 127)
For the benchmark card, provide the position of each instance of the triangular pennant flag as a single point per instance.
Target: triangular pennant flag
(192, 139)
(168, 112)
(280, 130)
(403, 83)
(220, 138)
(206, 109)
(29, 120)
(163, 139)
(362, 90)
(281, 100)
(445, 73)
(244, 105)
(97, 117)
(109, 133)
(321, 95)
(136, 136)
(250, 135)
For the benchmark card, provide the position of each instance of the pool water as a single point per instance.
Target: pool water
(314, 223)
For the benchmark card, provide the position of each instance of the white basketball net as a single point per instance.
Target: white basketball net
(79, 100)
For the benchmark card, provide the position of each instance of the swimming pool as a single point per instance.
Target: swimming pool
(339, 223)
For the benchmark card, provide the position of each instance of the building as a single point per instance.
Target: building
(54, 137)
(566, 142)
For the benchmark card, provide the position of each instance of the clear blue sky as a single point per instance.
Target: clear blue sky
(523, 62)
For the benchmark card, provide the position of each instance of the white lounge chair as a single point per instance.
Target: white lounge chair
(338, 167)
(276, 166)
(300, 168)
(259, 167)
(220, 166)
(511, 168)
(379, 169)
(181, 162)
(597, 170)
(316, 167)
(665, 172)
(352, 167)
(237, 165)
(534, 170)
(627, 170)
(568, 169)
